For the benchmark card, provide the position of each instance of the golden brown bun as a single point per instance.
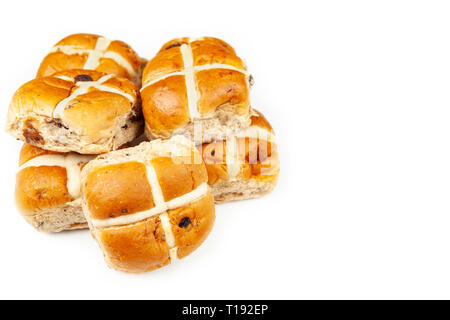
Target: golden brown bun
(142, 247)
(148, 204)
(256, 163)
(93, 52)
(77, 110)
(190, 234)
(195, 80)
(42, 189)
(125, 181)
(28, 152)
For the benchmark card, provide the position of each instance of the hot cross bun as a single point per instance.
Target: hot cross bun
(195, 87)
(93, 52)
(149, 205)
(48, 189)
(245, 165)
(84, 111)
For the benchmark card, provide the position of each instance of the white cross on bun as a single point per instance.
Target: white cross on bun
(93, 52)
(245, 165)
(48, 189)
(195, 87)
(84, 111)
(84, 164)
(149, 205)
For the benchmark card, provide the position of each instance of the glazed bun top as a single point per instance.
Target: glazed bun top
(29, 152)
(47, 179)
(93, 52)
(251, 153)
(192, 79)
(133, 184)
(204, 51)
(86, 101)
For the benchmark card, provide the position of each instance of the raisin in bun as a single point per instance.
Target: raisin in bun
(245, 165)
(93, 52)
(195, 87)
(48, 189)
(149, 205)
(84, 111)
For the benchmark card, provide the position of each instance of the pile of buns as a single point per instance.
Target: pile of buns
(139, 151)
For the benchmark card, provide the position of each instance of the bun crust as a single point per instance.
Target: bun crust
(93, 52)
(244, 166)
(77, 110)
(142, 246)
(114, 181)
(199, 81)
(48, 189)
(148, 205)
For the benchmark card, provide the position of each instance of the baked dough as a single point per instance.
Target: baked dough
(244, 166)
(48, 189)
(93, 52)
(148, 205)
(84, 111)
(195, 87)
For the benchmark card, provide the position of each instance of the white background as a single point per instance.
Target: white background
(358, 92)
